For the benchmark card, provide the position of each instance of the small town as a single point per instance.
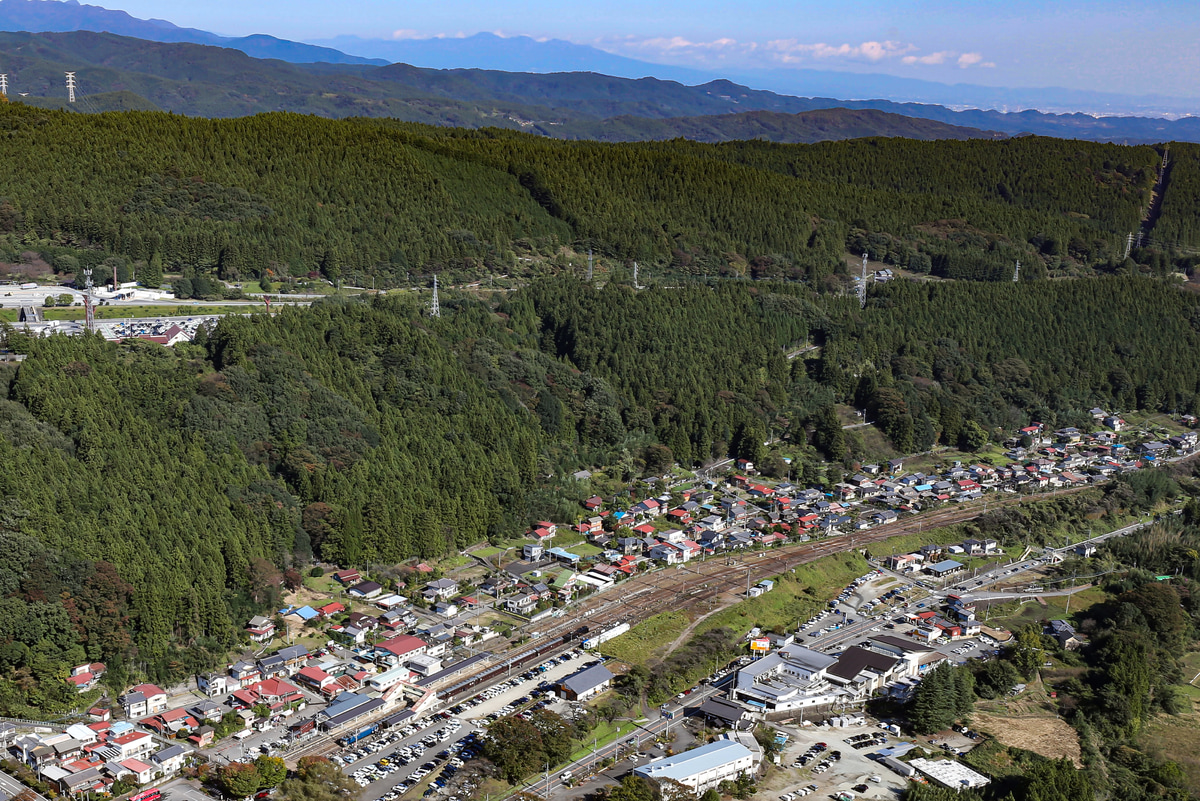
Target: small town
(415, 671)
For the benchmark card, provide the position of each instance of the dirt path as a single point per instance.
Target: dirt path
(727, 601)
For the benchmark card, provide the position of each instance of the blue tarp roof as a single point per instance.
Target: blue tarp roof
(307, 613)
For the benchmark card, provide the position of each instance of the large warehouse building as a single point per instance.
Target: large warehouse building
(703, 767)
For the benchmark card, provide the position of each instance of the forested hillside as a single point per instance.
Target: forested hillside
(152, 497)
(285, 197)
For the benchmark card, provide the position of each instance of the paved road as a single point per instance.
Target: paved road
(645, 733)
(12, 787)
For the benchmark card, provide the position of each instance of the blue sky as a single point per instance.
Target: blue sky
(1135, 47)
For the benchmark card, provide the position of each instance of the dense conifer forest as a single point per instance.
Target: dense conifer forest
(284, 197)
(154, 498)
(365, 432)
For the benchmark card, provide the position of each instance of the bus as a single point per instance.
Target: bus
(153, 794)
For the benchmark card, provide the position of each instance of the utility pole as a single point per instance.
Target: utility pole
(70, 87)
(434, 309)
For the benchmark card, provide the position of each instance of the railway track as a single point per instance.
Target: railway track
(693, 584)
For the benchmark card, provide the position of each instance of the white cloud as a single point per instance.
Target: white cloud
(933, 58)
(871, 51)
(680, 49)
(405, 33)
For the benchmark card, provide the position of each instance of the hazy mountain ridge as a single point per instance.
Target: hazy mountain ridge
(50, 16)
(211, 81)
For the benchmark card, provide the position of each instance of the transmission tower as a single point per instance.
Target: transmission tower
(89, 313)
(1128, 244)
(434, 309)
(4, 84)
(1017, 274)
(635, 276)
(70, 87)
(589, 264)
(862, 284)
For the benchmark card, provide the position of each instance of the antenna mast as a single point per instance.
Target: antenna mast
(434, 309)
(89, 313)
(70, 87)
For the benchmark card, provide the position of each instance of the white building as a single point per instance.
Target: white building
(703, 767)
(793, 677)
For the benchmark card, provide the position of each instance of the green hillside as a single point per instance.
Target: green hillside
(285, 196)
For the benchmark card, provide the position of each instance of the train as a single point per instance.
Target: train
(351, 739)
(505, 668)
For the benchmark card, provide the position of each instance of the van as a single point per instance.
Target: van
(566, 776)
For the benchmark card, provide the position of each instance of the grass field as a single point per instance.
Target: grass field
(1177, 739)
(125, 312)
(796, 596)
(646, 641)
(948, 535)
(1029, 721)
(1013, 616)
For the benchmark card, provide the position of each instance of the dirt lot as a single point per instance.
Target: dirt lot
(854, 767)
(1043, 734)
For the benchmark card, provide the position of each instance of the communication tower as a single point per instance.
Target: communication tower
(70, 87)
(434, 309)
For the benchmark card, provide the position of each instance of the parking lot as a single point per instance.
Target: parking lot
(388, 765)
(849, 771)
(506, 693)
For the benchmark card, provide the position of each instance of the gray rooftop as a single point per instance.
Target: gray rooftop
(698, 760)
(587, 679)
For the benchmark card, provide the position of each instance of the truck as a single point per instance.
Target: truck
(30, 285)
(351, 739)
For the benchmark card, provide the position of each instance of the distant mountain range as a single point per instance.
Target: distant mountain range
(524, 54)
(203, 80)
(53, 16)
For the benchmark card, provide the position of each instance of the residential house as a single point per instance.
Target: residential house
(974, 547)
(206, 710)
(330, 609)
(1064, 632)
(170, 759)
(366, 590)
(171, 721)
(440, 588)
(446, 608)
(347, 577)
(395, 650)
(143, 700)
(522, 603)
